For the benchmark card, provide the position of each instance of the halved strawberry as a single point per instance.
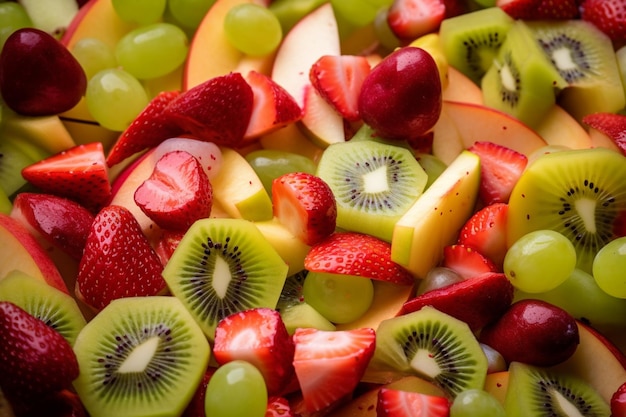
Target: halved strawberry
(177, 193)
(149, 128)
(273, 107)
(338, 79)
(500, 168)
(79, 173)
(611, 124)
(118, 261)
(608, 16)
(329, 364)
(397, 403)
(485, 231)
(259, 337)
(540, 9)
(217, 110)
(466, 261)
(167, 243)
(410, 19)
(305, 204)
(359, 254)
(278, 407)
(477, 301)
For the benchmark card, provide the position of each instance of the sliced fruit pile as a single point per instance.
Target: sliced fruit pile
(409, 207)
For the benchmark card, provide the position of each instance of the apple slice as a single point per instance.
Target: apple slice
(461, 88)
(559, 128)
(436, 217)
(289, 247)
(47, 132)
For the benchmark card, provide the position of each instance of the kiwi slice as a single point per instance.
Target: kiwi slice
(291, 293)
(579, 193)
(222, 266)
(536, 391)
(433, 345)
(522, 82)
(55, 308)
(140, 357)
(15, 155)
(584, 57)
(374, 184)
(471, 41)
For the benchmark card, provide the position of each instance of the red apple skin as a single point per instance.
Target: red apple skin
(401, 98)
(533, 332)
(38, 75)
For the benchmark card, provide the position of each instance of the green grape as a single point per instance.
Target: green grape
(114, 98)
(236, 389)
(438, 277)
(339, 298)
(289, 12)
(13, 16)
(189, 13)
(486, 3)
(383, 32)
(93, 55)
(476, 403)
(540, 261)
(152, 51)
(359, 12)
(608, 268)
(270, 164)
(433, 166)
(139, 11)
(252, 29)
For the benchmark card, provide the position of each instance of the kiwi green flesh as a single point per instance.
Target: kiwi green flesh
(521, 82)
(140, 357)
(223, 266)
(15, 155)
(374, 184)
(291, 293)
(585, 59)
(542, 392)
(471, 41)
(55, 308)
(433, 345)
(579, 193)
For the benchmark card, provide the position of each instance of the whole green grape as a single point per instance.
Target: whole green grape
(359, 12)
(289, 12)
(142, 12)
(236, 389)
(189, 13)
(93, 55)
(152, 51)
(339, 298)
(476, 403)
(608, 268)
(270, 164)
(252, 29)
(13, 16)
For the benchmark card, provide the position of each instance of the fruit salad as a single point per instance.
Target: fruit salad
(313, 208)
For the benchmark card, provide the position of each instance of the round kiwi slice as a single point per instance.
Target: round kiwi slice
(140, 357)
(433, 345)
(55, 308)
(536, 391)
(222, 266)
(579, 193)
(374, 184)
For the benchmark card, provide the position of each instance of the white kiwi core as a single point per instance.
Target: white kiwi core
(424, 363)
(140, 357)
(221, 277)
(376, 181)
(586, 209)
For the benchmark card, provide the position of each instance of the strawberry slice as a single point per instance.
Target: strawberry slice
(397, 403)
(278, 407)
(305, 204)
(466, 261)
(273, 107)
(35, 360)
(167, 243)
(540, 9)
(177, 193)
(329, 364)
(260, 337)
(618, 401)
(485, 231)
(79, 173)
(359, 254)
(410, 19)
(477, 301)
(611, 124)
(608, 16)
(338, 79)
(217, 110)
(500, 168)
(118, 261)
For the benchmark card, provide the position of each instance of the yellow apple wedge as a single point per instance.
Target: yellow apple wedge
(47, 132)
(436, 217)
(289, 247)
(559, 128)
(461, 88)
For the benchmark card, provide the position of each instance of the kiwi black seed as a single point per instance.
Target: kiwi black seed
(55, 308)
(433, 345)
(536, 391)
(585, 59)
(471, 41)
(140, 357)
(223, 266)
(374, 184)
(579, 193)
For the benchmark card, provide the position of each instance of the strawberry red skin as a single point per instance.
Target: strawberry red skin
(466, 261)
(259, 337)
(396, 403)
(618, 402)
(485, 231)
(359, 254)
(477, 301)
(217, 110)
(118, 261)
(65, 403)
(305, 204)
(609, 16)
(35, 360)
(410, 19)
(278, 407)
(611, 124)
(540, 9)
